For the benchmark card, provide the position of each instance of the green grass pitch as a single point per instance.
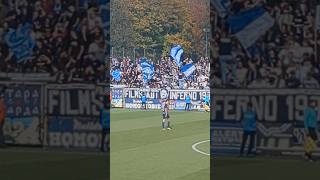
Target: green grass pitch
(38, 164)
(141, 150)
(264, 168)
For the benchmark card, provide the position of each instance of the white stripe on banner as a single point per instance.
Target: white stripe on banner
(253, 31)
(178, 57)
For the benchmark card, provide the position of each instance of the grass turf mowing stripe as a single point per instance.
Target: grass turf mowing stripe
(144, 151)
(150, 119)
(16, 166)
(203, 174)
(140, 137)
(31, 151)
(175, 157)
(264, 168)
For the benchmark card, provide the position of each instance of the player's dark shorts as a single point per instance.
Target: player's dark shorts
(249, 132)
(143, 104)
(106, 130)
(313, 134)
(164, 116)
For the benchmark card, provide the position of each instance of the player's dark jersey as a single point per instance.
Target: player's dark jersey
(165, 112)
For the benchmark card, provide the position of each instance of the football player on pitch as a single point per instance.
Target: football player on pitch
(165, 116)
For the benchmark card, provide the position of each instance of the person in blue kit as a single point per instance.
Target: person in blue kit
(188, 103)
(207, 100)
(143, 101)
(249, 118)
(310, 125)
(105, 124)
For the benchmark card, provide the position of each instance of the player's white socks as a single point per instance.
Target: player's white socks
(163, 123)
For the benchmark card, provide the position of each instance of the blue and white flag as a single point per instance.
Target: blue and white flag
(248, 26)
(188, 69)
(147, 70)
(176, 53)
(20, 42)
(222, 7)
(116, 74)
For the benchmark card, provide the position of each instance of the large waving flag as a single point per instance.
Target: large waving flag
(176, 53)
(116, 74)
(20, 42)
(147, 69)
(188, 69)
(222, 7)
(248, 26)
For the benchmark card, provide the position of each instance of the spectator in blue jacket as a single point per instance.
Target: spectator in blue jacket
(188, 103)
(249, 119)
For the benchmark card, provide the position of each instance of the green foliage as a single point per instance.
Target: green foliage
(159, 23)
(176, 39)
(121, 25)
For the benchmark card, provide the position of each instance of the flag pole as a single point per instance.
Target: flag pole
(316, 24)
(134, 54)
(316, 46)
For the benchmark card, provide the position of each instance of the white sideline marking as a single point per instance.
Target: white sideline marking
(194, 147)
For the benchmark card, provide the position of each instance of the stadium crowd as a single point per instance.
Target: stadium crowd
(166, 75)
(62, 38)
(282, 58)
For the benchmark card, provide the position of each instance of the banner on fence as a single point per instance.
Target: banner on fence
(179, 105)
(23, 104)
(226, 138)
(176, 97)
(279, 114)
(22, 131)
(117, 97)
(73, 116)
(74, 132)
